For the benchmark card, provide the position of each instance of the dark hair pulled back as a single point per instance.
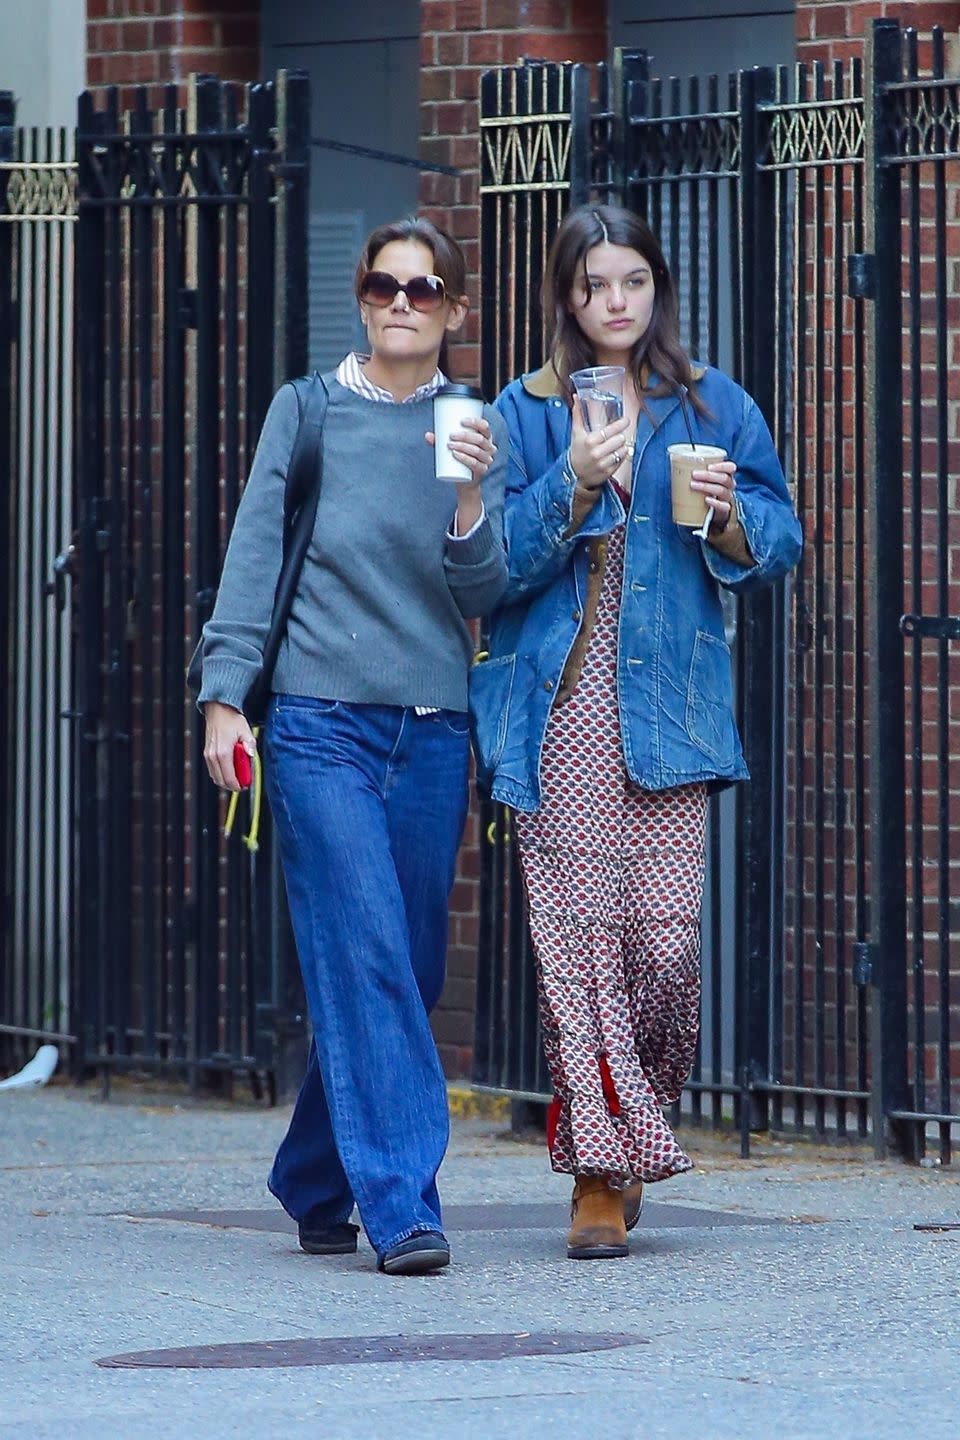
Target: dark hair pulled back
(449, 261)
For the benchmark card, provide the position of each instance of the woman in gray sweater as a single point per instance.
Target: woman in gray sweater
(367, 742)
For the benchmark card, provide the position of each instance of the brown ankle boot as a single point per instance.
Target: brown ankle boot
(632, 1203)
(598, 1231)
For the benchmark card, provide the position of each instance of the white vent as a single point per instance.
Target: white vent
(335, 240)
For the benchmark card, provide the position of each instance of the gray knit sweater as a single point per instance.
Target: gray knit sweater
(379, 614)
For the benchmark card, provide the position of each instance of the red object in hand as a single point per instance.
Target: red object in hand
(242, 766)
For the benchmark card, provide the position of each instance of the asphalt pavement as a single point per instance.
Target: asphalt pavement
(150, 1282)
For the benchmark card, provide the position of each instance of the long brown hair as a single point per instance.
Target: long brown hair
(449, 261)
(658, 349)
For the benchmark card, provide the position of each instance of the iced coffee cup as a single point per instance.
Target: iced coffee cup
(451, 406)
(690, 506)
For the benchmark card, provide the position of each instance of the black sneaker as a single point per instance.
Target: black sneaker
(417, 1256)
(329, 1239)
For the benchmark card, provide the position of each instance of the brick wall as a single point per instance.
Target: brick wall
(134, 42)
(828, 31)
(459, 40)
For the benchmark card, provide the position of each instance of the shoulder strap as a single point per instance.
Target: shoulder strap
(306, 458)
(301, 493)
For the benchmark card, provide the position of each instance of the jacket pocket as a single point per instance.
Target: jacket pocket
(709, 713)
(491, 686)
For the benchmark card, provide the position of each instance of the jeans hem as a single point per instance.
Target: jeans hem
(408, 1235)
(338, 1218)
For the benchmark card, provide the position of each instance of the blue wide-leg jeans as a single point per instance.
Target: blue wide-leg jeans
(369, 803)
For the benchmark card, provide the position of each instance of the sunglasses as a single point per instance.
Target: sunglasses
(425, 293)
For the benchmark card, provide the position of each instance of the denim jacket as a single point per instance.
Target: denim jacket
(673, 670)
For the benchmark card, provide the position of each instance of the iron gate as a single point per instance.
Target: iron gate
(188, 272)
(38, 215)
(806, 217)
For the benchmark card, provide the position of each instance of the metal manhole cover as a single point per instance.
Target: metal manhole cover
(657, 1214)
(366, 1350)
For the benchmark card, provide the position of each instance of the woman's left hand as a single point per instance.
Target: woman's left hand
(716, 484)
(473, 446)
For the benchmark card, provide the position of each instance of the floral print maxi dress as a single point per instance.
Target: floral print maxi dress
(614, 882)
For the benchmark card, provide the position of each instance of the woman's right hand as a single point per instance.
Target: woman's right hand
(225, 726)
(595, 455)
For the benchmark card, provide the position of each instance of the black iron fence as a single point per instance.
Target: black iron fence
(38, 213)
(807, 216)
(188, 278)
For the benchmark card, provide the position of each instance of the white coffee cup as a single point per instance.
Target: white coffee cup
(453, 404)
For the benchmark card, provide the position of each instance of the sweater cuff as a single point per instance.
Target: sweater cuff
(225, 681)
(474, 548)
(452, 535)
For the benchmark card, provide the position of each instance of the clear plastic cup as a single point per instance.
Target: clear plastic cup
(600, 392)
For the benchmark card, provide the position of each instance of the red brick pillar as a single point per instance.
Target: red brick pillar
(136, 42)
(459, 40)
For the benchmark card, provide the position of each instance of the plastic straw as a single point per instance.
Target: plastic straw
(708, 521)
(686, 418)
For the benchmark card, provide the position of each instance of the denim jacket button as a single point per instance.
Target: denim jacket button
(548, 684)
(576, 616)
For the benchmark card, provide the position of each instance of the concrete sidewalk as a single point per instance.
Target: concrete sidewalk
(790, 1296)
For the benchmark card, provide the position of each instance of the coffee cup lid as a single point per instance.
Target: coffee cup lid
(454, 390)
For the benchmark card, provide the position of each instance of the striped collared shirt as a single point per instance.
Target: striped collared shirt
(350, 374)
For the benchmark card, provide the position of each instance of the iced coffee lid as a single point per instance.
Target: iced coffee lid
(456, 391)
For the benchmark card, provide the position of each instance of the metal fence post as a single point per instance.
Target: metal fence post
(292, 348)
(761, 635)
(291, 358)
(205, 112)
(8, 116)
(581, 157)
(884, 395)
(93, 951)
(629, 96)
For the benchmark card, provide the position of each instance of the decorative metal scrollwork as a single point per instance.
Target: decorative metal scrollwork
(669, 146)
(527, 154)
(823, 132)
(925, 121)
(178, 167)
(38, 191)
(526, 130)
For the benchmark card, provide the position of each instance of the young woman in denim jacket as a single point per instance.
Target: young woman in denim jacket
(604, 714)
(367, 743)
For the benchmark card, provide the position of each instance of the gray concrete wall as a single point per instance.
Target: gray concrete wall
(706, 36)
(363, 66)
(43, 58)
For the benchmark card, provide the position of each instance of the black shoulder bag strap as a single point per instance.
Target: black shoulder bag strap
(301, 493)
